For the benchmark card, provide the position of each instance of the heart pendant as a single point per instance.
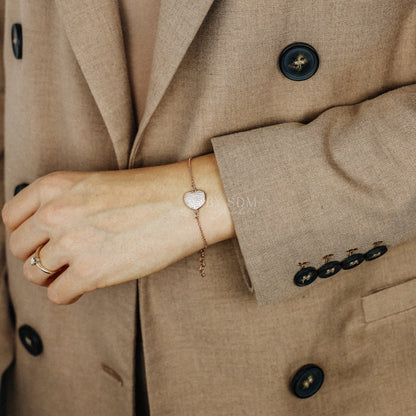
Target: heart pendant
(194, 199)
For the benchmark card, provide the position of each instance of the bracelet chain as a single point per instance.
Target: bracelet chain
(196, 213)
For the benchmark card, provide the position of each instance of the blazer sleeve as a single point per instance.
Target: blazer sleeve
(6, 327)
(298, 192)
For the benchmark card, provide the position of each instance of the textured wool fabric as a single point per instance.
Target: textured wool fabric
(139, 22)
(6, 326)
(309, 168)
(347, 177)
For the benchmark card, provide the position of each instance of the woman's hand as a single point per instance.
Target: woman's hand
(104, 228)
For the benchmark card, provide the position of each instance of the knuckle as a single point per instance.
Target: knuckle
(50, 184)
(51, 180)
(56, 297)
(44, 184)
(67, 241)
(29, 274)
(5, 214)
(14, 245)
(51, 214)
(91, 285)
(84, 269)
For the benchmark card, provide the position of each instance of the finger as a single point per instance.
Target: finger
(66, 289)
(19, 208)
(47, 279)
(50, 258)
(25, 239)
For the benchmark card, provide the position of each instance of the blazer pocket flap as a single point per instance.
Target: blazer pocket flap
(390, 301)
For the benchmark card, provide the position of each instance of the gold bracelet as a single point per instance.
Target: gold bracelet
(194, 200)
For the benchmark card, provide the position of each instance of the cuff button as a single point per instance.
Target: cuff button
(306, 275)
(353, 260)
(376, 252)
(329, 268)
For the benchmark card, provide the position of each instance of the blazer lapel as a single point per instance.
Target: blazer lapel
(94, 30)
(179, 21)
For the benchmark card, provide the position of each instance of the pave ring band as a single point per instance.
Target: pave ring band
(35, 261)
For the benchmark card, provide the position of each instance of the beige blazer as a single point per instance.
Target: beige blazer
(310, 168)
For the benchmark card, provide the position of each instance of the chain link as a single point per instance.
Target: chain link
(196, 212)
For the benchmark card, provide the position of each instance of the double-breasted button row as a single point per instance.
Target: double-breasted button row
(307, 274)
(307, 381)
(31, 340)
(20, 187)
(17, 40)
(298, 61)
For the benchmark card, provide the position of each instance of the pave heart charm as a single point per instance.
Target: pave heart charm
(194, 199)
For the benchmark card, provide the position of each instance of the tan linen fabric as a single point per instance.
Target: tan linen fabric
(6, 326)
(139, 22)
(329, 162)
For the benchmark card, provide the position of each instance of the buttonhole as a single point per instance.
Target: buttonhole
(112, 373)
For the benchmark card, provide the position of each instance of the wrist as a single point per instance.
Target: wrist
(214, 215)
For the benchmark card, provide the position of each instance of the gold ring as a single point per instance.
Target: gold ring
(35, 261)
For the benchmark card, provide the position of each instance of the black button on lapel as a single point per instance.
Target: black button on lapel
(20, 187)
(30, 340)
(305, 276)
(17, 40)
(299, 61)
(307, 381)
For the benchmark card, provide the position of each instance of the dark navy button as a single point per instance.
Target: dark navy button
(353, 260)
(30, 340)
(17, 40)
(307, 381)
(375, 253)
(20, 187)
(305, 276)
(329, 269)
(299, 61)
